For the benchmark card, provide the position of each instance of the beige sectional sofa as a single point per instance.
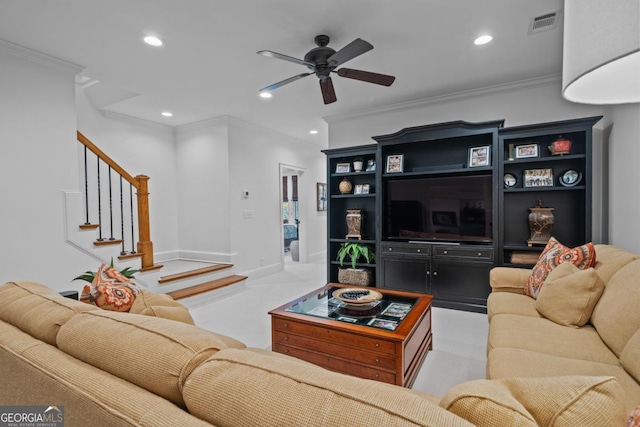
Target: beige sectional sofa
(125, 369)
(524, 343)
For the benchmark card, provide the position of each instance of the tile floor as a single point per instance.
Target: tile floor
(240, 311)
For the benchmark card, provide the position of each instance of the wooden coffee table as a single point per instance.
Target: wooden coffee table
(386, 343)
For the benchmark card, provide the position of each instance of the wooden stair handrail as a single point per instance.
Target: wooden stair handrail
(108, 160)
(140, 182)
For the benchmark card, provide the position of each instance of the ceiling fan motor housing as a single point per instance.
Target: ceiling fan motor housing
(319, 57)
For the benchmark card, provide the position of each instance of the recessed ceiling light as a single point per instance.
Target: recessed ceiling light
(313, 131)
(483, 40)
(265, 94)
(153, 41)
(167, 114)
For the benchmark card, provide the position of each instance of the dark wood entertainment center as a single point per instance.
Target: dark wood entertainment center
(445, 243)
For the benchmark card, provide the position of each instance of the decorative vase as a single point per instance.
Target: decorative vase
(540, 223)
(345, 186)
(358, 277)
(355, 221)
(357, 165)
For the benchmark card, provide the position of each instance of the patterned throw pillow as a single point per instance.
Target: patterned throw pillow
(634, 418)
(110, 290)
(554, 254)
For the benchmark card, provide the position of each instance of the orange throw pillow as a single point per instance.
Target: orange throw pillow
(110, 290)
(554, 254)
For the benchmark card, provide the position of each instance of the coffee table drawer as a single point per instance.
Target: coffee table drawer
(337, 365)
(324, 333)
(348, 353)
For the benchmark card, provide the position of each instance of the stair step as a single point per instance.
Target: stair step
(107, 242)
(89, 226)
(206, 287)
(129, 256)
(192, 273)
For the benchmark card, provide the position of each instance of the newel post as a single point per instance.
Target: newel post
(145, 246)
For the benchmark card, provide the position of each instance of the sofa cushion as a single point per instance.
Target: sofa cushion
(242, 387)
(540, 334)
(616, 315)
(559, 401)
(37, 309)
(611, 259)
(37, 373)
(569, 295)
(510, 303)
(630, 357)
(160, 305)
(156, 354)
(554, 254)
(507, 279)
(110, 290)
(514, 362)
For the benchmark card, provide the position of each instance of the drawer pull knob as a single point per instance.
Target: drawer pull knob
(479, 253)
(390, 249)
(446, 252)
(286, 338)
(377, 360)
(286, 351)
(377, 345)
(418, 250)
(435, 273)
(377, 376)
(286, 325)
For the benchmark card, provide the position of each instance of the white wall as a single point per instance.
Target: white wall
(623, 131)
(534, 101)
(38, 161)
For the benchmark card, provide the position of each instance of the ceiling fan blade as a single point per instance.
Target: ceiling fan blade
(366, 76)
(350, 51)
(284, 82)
(328, 93)
(276, 55)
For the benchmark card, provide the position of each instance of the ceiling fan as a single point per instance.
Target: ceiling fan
(322, 61)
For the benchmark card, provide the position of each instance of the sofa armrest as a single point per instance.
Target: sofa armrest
(508, 279)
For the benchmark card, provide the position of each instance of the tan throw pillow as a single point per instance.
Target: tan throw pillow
(550, 401)
(569, 295)
(554, 254)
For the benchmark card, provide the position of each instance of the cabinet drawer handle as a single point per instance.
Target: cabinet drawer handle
(376, 376)
(287, 351)
(479, 253)
(446, 252)
(428, 272)
(378, 361)
(286, 339)
(377, 345)
(286, 325)
(435, 273)
(390, 249)
(418, 250)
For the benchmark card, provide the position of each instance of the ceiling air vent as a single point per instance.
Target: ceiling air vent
(541, 23)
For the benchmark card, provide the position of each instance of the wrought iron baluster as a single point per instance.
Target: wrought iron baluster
(100, 239)
(122, 252)
(86, 188)
(133, 249)
(110, 209)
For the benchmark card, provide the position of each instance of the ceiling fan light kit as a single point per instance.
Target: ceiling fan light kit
(323, 60)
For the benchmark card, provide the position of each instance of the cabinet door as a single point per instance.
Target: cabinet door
(463, 282)
(406, 274)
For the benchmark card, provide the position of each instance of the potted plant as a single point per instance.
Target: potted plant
(355, 276)
(89, 276)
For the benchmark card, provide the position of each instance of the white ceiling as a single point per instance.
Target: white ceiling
(209, 66)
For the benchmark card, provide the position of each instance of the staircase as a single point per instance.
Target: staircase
(112, 203)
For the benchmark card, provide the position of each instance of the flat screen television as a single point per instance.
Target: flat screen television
(449, 209)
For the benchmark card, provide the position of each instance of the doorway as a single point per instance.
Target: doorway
(292, 218)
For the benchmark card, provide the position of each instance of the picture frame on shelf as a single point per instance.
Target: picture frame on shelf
(321, 196)
(479, 156)
(358, 189)
(343, 168)
(538, 178)
(526, 151)
(395, 163)
(371, 166)
(365, 188)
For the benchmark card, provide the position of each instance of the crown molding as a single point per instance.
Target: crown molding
(137, 121)
(554, 79)
(39, 57)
